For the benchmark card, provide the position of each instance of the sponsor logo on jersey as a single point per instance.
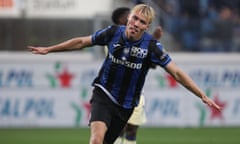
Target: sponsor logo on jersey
(138, 52)
(125, 62)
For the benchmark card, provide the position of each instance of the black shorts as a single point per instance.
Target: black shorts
(114, 116)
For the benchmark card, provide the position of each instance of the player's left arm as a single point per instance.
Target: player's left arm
(185, 80)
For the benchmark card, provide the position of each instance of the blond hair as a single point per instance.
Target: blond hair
(145, 10)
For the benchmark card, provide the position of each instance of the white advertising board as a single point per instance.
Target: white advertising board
(47, 93)
(169, 104)
(10, 8)
(66, 8)
(54, 91)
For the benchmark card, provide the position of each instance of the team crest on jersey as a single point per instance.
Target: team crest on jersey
(138, 52)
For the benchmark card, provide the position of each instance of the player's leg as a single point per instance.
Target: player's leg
(121, 136)
(131, 133)
(128, 135)
(117, 124)
(107, 119)
(119, 119)
(100, 117)
(98, 130)
(137, 118)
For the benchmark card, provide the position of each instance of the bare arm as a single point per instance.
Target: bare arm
(188, 83)
(74, 43)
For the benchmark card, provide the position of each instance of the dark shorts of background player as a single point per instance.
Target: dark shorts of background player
(114, 116)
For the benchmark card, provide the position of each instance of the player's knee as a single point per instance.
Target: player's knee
(98, 130)
(96, 140)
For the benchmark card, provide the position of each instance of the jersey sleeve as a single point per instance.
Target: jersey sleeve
(158, 55)
(103, 36)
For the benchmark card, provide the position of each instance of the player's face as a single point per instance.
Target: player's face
(136, 26)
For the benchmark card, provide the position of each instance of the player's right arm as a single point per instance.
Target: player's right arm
(72, 44)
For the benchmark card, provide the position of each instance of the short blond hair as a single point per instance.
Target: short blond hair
(145, 10)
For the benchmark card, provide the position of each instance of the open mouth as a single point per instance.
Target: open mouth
(133, 30)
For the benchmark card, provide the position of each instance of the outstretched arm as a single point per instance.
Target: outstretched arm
(188, 83)
(74, 43)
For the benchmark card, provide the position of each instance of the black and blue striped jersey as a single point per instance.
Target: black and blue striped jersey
(127, 63)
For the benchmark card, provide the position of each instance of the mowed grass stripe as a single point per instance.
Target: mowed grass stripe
(44, 136)
(190, 135)
(145, 136)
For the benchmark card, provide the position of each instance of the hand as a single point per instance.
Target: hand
(158, 32)
(211, 103)
(38, 50)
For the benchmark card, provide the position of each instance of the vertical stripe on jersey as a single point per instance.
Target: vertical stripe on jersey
(102, 38)
(139, 83)
(128, 73)
(113, 67)
(141, 78)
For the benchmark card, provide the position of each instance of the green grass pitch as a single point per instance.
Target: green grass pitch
(145, 136)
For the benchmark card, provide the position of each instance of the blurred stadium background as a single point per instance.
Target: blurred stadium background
(44, 99)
